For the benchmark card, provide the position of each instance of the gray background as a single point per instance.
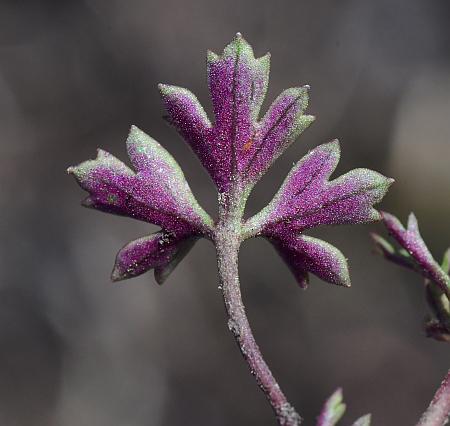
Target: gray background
(77, 350)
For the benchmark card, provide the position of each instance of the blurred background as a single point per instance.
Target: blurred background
(77, 350)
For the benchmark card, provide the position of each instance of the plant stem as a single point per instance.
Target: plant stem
(438, 412)
(227, 238)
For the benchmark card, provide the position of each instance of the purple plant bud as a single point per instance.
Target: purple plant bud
(411, 240)
(306, 254)
(158, 250)
(333, 410)
(308, 199)
(158, 193)
(238, 84)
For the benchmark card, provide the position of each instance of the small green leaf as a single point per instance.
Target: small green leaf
(363, 421)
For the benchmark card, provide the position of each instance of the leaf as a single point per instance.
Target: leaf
(158, 250)
(237, 84)
(308, 199)
(333, 410)
(306, 254)
(281, 125)
(187, 115)
(158, 193)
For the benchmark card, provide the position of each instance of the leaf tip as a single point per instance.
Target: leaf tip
(116, 275)
(87, 202)
(160, 276)
(412, 225)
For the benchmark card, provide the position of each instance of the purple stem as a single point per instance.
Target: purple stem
(438, 412)
(227, 238)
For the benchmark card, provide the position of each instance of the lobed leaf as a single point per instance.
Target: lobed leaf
(305, 255)
(158, 193)
(161, 250)
(308, 199)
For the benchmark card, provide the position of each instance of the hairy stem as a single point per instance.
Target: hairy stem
(438, 412)
(227, 239)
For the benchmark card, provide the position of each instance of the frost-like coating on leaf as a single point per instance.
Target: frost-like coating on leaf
(308, 199)
(333, 410)
(158, 193)
(154, 251)
(306, 254)
(278, 129)
(237, 146)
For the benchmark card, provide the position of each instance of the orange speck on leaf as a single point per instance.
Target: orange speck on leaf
(248, 145)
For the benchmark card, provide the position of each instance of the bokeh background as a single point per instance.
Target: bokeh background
(76, 350)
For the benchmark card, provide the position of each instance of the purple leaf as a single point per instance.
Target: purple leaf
(160, 250)
(306, 254)
(308, 199)
(158, 193)
(238, 84)
(187, 115)
(237, 146)
(278, 129)
(333, 410)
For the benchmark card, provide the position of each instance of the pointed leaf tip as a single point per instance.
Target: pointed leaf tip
(413, 225)
(382, 246)
(160, 251)
(333, 410)
(363, 421)
(116, 275)
(304, 254)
